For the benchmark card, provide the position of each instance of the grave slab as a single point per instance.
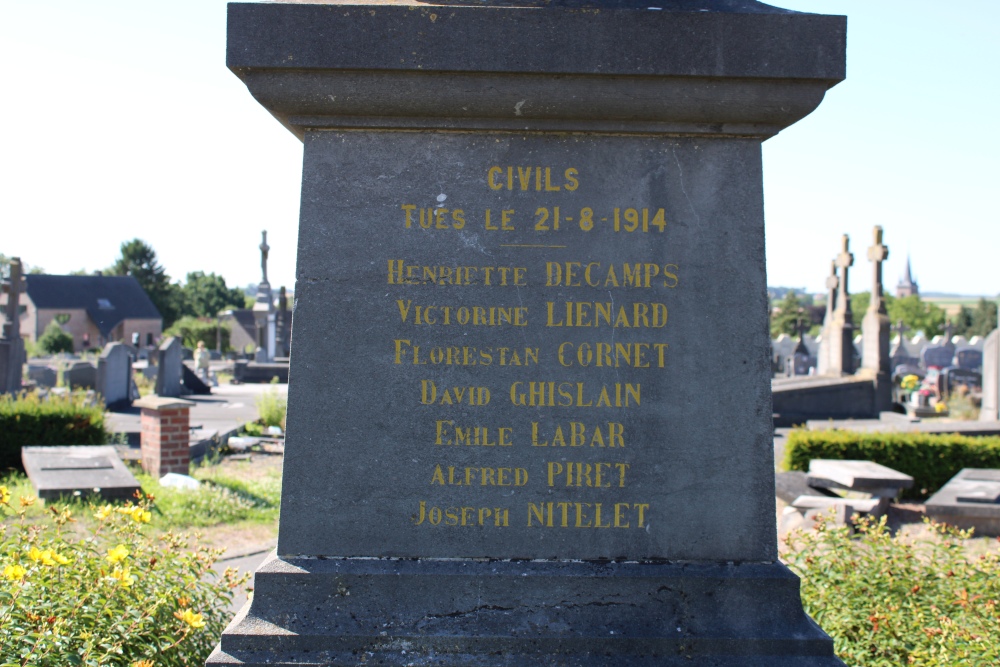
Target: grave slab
(560, 202)
(965, 502)
(78, 470)
(856, 475)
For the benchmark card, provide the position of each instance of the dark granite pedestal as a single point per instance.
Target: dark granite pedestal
(529, 420)
(401, 612)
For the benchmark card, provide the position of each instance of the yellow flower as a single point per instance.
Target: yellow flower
(26, 501)
(14, 572)
(140, 515)
(4, 495)
(940, 407)
(123, 575)
(142, 663)
(59, 558)
(909, 382)
(43, 557)
(103, 513)
(117, 555)
(191, 618)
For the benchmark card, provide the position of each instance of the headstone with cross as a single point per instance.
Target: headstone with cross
(832, 283)
(876, 328)
(901, 355)
(841, 332)
(11, 344)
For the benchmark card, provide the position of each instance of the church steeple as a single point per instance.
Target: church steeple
(907, 286)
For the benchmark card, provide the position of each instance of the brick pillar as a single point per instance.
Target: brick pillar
(165, 441)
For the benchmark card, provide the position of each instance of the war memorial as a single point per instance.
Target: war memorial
(529, 413)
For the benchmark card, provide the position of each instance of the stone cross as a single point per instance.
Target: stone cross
(844, 260)
(901, 329)
(877, 254)
(12, 328)
(264, 248)
(832, 283)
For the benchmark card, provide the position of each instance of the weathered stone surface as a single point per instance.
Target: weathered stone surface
(114, 375)
(451, 406)
(990, 410)
(856, 475)
(78, 470)
(169, 361)
(965, 502)
(792, 484)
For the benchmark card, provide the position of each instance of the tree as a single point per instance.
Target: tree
(54, 340)
(978, 321)
(139, 261)
(918, 315)
(204, 295)
(790, 310)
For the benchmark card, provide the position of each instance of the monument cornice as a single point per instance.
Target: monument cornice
(464, 68)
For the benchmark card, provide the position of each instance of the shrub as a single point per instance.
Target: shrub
(193, 329)
(54, 340)
(110, 596)
(931, 459)
(272, 407)
(889, 601)
(27, 420)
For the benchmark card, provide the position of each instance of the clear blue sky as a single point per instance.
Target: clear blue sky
(120, 119)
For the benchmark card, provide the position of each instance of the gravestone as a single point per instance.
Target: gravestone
(168, 367)
(79, 470)
(43, 376)
(80, 375)
(530, 269)
(937, 356)
(954, 377)
(990, 410)
(114, 375)
(969, 358)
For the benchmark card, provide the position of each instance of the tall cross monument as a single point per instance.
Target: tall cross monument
(875, 329)
(841, 331)
(832, 283)
(263, 308)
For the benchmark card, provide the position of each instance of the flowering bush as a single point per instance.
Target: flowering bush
(889, 601)
(113, 595)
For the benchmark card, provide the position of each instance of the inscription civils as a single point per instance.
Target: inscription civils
(610, 437)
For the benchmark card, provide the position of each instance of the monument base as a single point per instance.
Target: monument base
(369, 611)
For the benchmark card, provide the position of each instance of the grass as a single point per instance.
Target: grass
(237, 496)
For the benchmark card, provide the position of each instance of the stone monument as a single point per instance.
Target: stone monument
(11, 344)
(990, 410)
(875, 330)
(263, 309)
(530, 270)
(823, 356)
(842, 328)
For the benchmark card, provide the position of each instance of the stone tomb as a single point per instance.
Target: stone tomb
(970, 499)
(78, 470)
(504, 445)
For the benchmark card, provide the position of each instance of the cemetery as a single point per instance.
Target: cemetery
(542, 388)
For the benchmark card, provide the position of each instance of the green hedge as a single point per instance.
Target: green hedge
(192, 329)
(931, 459)
(26, 420)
